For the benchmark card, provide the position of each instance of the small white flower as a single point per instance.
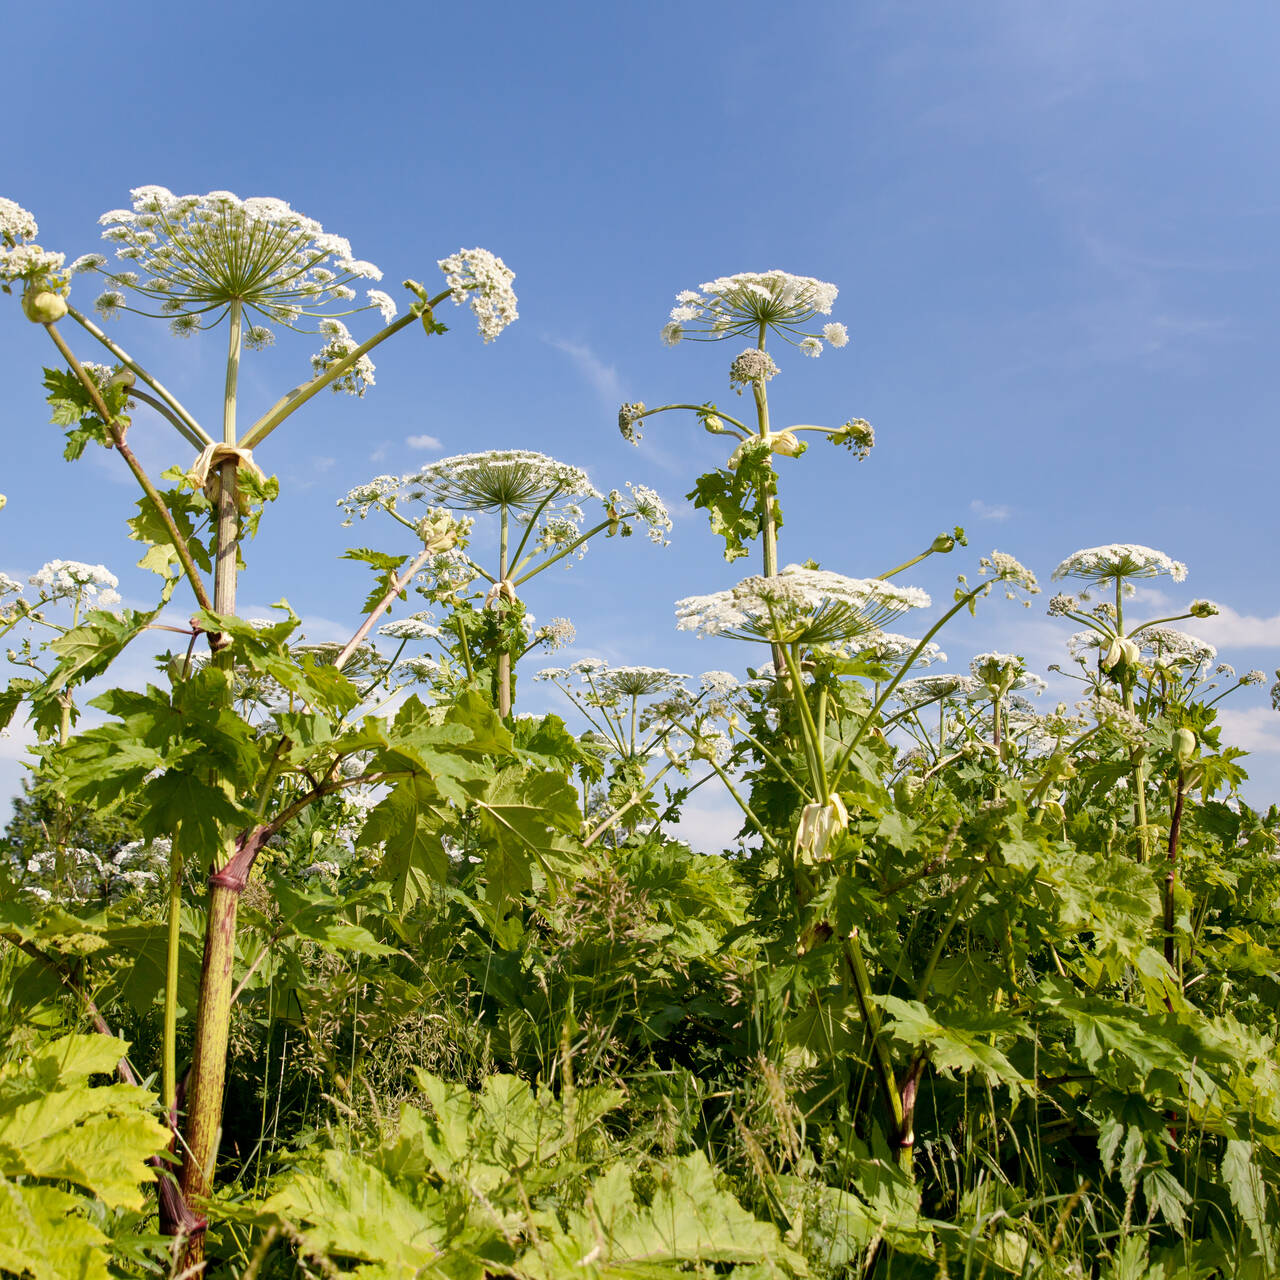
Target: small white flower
(484, 282)
(384, 302)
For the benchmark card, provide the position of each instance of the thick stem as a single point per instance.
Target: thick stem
(209, 1060)
(213, 1012)
(504, 656)
(224, 569)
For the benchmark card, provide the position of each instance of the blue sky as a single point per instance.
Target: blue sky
(1053, 228)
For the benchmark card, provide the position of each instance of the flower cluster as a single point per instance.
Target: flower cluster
(417, 626)
(893, 650)
(1002, 672)
(923, 689)
(357, 378)
(190, 257)
(753, 365)
(484, 282)
(1171, 647)
(28, 263)
(857, 435)
(628, 415)
(1118, 561)
(812, 606)
(559, 633)
(515, 478)
(75, 875)
(743, 304)
(72, 580)
(648, 507)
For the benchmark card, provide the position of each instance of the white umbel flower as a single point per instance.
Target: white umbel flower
(739, 304)
(812, 606)
(1120, 560)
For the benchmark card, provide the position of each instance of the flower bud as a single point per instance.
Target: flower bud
(1120, 650)
(943, 543)
(714, 425)
(43, 307)
(818, 823)
(1184, 745)
(1203, 609)
(787, 443)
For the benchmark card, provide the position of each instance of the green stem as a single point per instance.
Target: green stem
(296, 398)
(504, 655)
(137, 370)
(228, 519)
(808, 729)
(871, 1020)
(745, 807)
(843, 762)
(178, 542)
(967, 894)
(614, 818)
(169, 1068)
(529, 527)
(564, 551)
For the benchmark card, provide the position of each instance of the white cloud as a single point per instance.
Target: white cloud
(603, 377)
(985, 511)
(1231, 629)
(323, 464)
(421, 442)
(1253, 728)
(379, 453)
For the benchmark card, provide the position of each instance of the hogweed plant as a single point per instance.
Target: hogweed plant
(942, 1008)
(538, 504)
(259, 266)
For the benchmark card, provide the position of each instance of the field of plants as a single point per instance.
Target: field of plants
(331, 958)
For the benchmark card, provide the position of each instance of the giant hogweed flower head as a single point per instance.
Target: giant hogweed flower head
(1118, 561)
(799, 605)
(739, 305)
(519, 479)
(482, 281)
(190, 257)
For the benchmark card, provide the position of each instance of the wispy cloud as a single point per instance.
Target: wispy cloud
(603, 377)
(380, 453)
(422, 442)
(987, 511)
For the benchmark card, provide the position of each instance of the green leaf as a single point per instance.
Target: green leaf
(689, 1220)
(54, 1125)
(1244, 1182)
(407, 822)
(523, 819)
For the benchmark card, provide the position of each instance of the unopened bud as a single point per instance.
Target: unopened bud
(1184, 745)
(1120, 650)
(818, 823)
(1203, 609)
(943, 543)
(787, 443)
(41, 306)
